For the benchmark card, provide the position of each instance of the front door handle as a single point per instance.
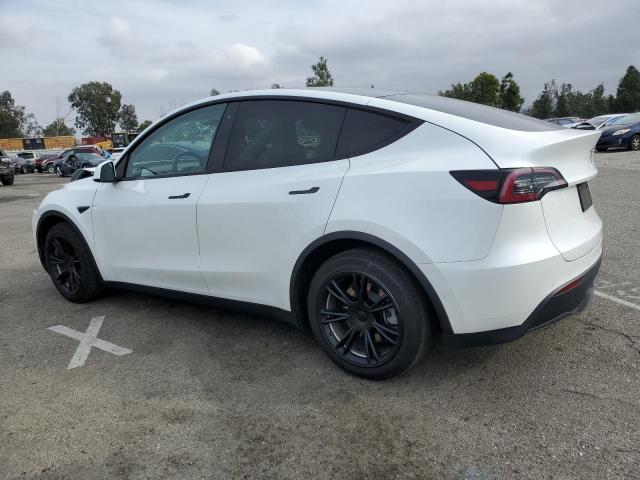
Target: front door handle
(304, 192)
(177, 197)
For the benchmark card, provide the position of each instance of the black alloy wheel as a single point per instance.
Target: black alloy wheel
(70, 265)
(634, 143)
(64, 264)
(369, 314)
(360, 319)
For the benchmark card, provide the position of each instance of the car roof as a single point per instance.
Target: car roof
(387, 98)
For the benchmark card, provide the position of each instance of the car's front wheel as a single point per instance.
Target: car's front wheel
(50, 168)
(368, 314)
(70, 265)
(634, 143)
(59, 172)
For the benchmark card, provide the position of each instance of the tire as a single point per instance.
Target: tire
(70, 265)
(600, 149)
(50, 168)
(378, 331)
(634, 143)
(24, 169)
(7, 179)
(59, 172)
(39, 169)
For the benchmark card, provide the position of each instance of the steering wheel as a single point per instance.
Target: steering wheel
(186, 155)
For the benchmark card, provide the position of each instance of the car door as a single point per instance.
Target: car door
(145, 224)
(272, 199)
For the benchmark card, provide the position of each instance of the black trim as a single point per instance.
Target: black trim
(177, 197)
(62, 217)
(304, 192)
(551, 310)
(443, 318)
(217, 302)
(83, 208)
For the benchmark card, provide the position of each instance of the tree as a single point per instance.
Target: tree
(321, 75)
(128, 119)
(543, 106)
(628, 97)
(213, 92)
(30, 127)
(484, 89)
(144, 125)
(58, 128)
(10, 117)
(510, 98)
(565, 101)
(97, 105)
(275, 85)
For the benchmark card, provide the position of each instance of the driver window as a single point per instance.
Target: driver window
(179, 147)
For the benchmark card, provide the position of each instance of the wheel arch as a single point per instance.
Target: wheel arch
(46, 221)
(333, 243)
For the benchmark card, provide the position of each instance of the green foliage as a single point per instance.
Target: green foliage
(58, 128)
(97, 105)
(510, 98)
(484, 89)
(144, 125)
(128, 119)
(10, 116)
(543, 106)
(321, 75)
(275, 85)
(213, 92)
(628, 98)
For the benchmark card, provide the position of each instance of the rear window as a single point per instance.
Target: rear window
(365, 132)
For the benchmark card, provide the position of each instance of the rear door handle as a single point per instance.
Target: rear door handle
(177, 197)
(304, 192)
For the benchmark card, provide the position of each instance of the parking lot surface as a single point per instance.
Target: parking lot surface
(205, 393)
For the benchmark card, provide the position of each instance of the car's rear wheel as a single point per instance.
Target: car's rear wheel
(634, 143)
(7, 179)
(368, 314)
(70, 265)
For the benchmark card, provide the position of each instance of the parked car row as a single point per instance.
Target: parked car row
(619, 130)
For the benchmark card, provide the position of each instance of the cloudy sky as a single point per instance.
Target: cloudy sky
(164, 53)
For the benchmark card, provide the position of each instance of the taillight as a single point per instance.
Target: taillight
(516, 185)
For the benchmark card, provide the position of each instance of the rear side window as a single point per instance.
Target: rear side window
(276, 133)
(365, 132)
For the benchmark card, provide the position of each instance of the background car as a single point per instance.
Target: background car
(623, 132)
(598, 122)
(73, 161)
(23, 165)
(116, 153)
(41, 159)
(49, 164)
(7, 170)
(567, 122)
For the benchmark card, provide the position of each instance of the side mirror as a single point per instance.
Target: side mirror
(105, 173)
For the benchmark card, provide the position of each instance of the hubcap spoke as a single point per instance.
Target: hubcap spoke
(334, 316)
(372, 353)
(335, 290)
(385, 333)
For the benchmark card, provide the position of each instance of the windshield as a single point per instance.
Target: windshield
(627, 119)
(597, 121)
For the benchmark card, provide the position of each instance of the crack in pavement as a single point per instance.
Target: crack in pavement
(633, 343)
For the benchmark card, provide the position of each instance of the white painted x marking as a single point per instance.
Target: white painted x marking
(87, 340)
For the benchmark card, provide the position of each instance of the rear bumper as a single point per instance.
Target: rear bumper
(555, 307)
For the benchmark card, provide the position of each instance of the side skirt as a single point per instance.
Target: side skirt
(221, 303)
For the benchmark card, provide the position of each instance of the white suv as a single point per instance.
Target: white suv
(378, 220)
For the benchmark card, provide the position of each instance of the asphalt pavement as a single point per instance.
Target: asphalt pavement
(202, 393)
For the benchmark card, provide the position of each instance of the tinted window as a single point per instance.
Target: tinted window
(275, 133)
(627, 119)
(366, 131)
(178, 147)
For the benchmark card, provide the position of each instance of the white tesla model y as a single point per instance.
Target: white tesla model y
(378, 220)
